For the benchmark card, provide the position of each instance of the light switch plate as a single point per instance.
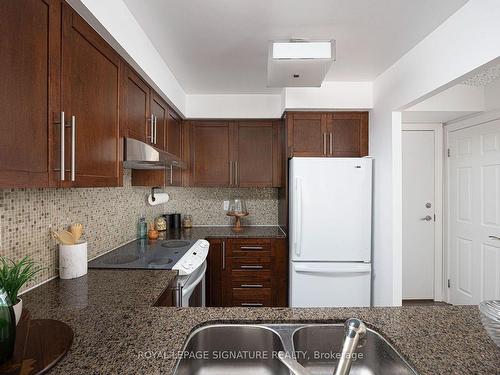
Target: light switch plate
(226, 205)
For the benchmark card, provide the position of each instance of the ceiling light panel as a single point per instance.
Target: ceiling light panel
(302, 50)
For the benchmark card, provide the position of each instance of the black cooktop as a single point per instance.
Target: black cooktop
(144, 254)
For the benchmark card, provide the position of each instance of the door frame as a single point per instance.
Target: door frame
(450, 127)
(439, 264)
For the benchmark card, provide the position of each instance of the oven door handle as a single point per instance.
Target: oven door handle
(189, 287)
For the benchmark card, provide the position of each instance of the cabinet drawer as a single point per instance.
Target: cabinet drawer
(252, 297)
(257, 279)
(250, 263)
(250, 247)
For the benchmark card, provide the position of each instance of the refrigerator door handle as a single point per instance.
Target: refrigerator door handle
(351, 270)
(297, 244)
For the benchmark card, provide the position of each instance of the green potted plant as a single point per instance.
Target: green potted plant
(13, 275)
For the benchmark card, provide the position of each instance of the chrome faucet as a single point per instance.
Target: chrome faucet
(355, 330)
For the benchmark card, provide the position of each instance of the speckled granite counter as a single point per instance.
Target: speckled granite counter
(225, 232)
(117, 332)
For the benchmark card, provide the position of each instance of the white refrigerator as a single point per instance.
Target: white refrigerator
(330, 232)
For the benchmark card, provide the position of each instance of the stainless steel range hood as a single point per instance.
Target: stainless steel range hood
(140, 155)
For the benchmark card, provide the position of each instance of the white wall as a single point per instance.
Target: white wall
(492, 95)
(234, 106)
(331, 95)
(467, 40)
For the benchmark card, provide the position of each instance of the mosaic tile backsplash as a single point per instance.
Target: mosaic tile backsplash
(109, 216)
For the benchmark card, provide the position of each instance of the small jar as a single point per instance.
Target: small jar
(188, 221)
(160, 224)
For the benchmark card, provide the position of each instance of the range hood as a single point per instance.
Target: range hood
(140, 155)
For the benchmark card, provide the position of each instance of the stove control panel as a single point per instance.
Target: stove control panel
(193, 258)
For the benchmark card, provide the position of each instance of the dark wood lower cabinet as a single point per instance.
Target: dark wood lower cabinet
(247, 272)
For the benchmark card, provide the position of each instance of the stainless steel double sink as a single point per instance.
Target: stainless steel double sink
(253, 349)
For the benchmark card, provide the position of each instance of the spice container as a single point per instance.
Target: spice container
(188, 221)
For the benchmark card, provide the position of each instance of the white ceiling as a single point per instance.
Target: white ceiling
(220, 46)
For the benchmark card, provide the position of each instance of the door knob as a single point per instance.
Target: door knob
(427, 218)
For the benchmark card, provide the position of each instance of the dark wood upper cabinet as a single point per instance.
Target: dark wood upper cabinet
(257, 154)
(136, 120)
(29, 56)
(90, 94)
(234, 153)
(307, 133)
(174, 145)
(327, 134)
(159, 110)
(211, 153)
(349, 133)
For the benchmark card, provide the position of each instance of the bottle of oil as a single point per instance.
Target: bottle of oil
(7, 327)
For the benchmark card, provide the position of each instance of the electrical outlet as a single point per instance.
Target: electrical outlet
(225, 206)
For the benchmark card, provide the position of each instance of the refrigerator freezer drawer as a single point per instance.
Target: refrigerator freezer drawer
(315, 284)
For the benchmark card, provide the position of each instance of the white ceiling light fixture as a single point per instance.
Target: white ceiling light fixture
(302, 49)
(299, 62)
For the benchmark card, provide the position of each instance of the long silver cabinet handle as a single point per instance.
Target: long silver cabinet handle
(171, 175)
(494, 237)
(252, 267)
(63, 125)
(73, 148)
(251, 286)
(248, 304)
(223, 255)
(251, 248)
(324, 143)
(156, 134)
(331, 143)
(230, 173)
(151, 128)
(236, 173)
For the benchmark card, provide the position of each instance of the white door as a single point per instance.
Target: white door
(314, 284)
(330, 209)
(418, 148)
(474, 213)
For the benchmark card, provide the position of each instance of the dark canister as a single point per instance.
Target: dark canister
(175, 221)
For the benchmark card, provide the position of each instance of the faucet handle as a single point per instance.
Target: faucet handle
(355, 330)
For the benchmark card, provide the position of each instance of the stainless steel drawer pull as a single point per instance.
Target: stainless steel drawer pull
(251, 248)
(73, 147)
(252, 267)
(494, 237)
(251, 286)
(63, 125)
(324, 143)
(248, 304)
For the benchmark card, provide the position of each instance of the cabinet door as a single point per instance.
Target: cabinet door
(136, 122)
(174, 144)
(216, 265)
(29, 56)
(348, 134)
(211, 153)
(257, 154)
(159, 110)
(307, 133)
(90, 92)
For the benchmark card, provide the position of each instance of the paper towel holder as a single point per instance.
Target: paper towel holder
(153, 192)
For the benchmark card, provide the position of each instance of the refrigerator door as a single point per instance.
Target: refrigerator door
(330, 209)
(330, 284)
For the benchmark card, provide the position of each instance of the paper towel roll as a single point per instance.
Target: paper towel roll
(160, 198)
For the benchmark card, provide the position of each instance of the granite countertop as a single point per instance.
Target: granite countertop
(225, 232)
(118, 332)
